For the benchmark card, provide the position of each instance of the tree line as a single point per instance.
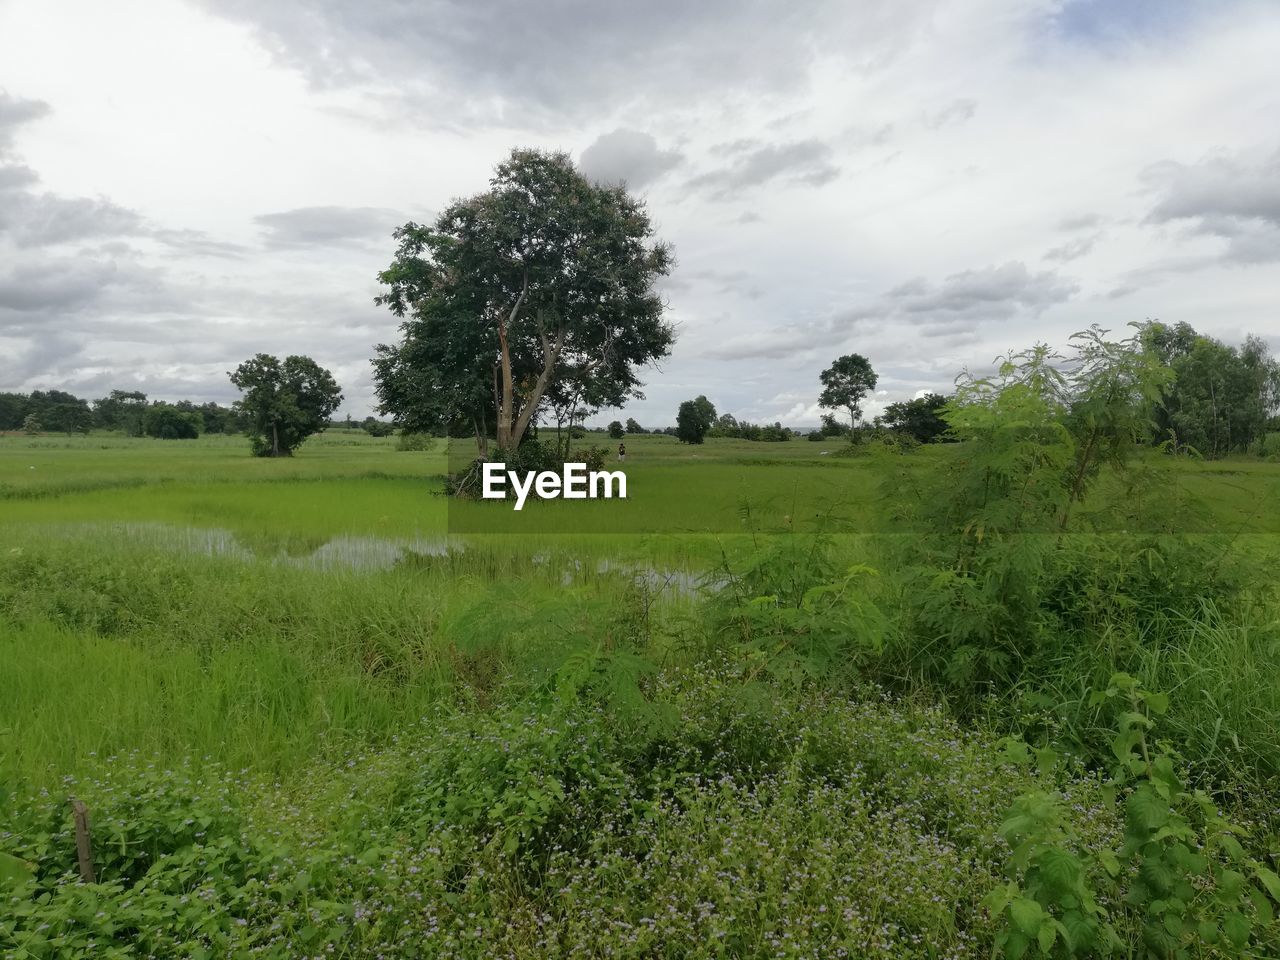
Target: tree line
(536, 302)
(128, 411)
(1215, 400)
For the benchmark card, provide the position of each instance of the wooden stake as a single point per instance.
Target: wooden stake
(84, 850)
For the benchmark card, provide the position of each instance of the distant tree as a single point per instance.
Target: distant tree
(378, 428)
(845, 384)
(31, 425)
(60, 411)
(545, 279)
(13, 410)
(121, 410)
(217, 418)
(633, 426)
(284, 403)
(775, 432)
(725, 425)
(831, 427)
(1220, 397)
(166, 421)
(919, 418)
(615, 430)
(694, 419)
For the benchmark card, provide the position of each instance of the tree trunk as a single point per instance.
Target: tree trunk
(506, 441)
(275, 440)
(550, 354)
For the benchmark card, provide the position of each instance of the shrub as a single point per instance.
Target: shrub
(411, 442)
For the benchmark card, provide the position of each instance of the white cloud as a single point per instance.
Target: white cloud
(927, 183)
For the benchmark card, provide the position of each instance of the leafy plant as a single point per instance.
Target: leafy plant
(1185, 883)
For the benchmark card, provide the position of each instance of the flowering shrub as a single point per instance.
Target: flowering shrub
(750, 825)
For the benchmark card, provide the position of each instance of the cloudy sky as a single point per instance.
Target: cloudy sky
(184, 183)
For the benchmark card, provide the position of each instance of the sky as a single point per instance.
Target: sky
(930, 183)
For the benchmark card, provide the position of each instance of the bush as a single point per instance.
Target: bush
(167, 422)
(410, 442)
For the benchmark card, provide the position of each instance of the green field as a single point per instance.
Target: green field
(312, 716)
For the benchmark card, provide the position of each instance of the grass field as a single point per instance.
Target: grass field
(313, 716)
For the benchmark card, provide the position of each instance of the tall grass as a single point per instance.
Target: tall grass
(108, 647)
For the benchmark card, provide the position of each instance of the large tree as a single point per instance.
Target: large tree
(60, 411)
(846, 383)
(539, 289)
(694, 419)
(919, 417)
(167, 421)
(122, 410)
(13, 410)
(284, 403)
(1220, 397)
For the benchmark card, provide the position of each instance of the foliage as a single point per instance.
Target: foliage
(166, 422)
(540, 289)
(616, 430)
(746, 820)
(1220, 397)
(547, 746)
(54, 410)
(415, 442)
(1183, 874)
(845, 385)
(727, 425)
(919, 418)
(31, 425)
(694, 419)
(377, 428)
(634, 427)
(1036, 436)
(831, 427)
(123, 410)
(284, 403)
(791, 613)
(13, 410)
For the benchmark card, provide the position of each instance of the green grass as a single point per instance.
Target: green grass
(479, 733)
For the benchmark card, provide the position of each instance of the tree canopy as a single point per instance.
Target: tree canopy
(284, 403)
(122, 410)
(1220, 398)
(920, 418)
(694, 419)
(168, 422)
(540, 289)
(846, 383)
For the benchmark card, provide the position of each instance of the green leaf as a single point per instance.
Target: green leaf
(1236, 927)
(1015, 945)
(1269, 880)
(1027, 915)
(1059, 868)
(14, 869)
(999, 898)
(1207, 931)
(1046, 935)
(1145, 809)
(1109, 862)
